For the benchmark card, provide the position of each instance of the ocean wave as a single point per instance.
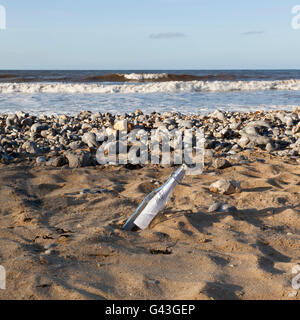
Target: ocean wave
(78, 77)
(159, 87)
(145, 76)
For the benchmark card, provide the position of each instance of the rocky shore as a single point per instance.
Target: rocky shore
(73, 140)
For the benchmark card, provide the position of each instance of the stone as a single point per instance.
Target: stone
(30, 147)
(210, 144)
(289, 122)
(21, 115)
(41, 160)
(215, 207)
(86, 126)
(282, 153)
(221, 163)
(38, 127)
(225, 207)
(10, 120)
(75, 145)
(222, 207)
(251, 130)
(187, 124)
(109, 132)
(78, 160)
(122, 125)
(208, 153)
(261, 140)
(234, 125)
(256, 140)
(27, 122)
(296, 129)
(63, 118)
(226, 187)
(57, 162)
(269, 147)
(218, 114)
(244, 141)
(96, 116)
(139, 112)
(232, 153)
(89, 138)
(258, 124)
(44, 133)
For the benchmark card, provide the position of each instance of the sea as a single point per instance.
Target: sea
(69, 92)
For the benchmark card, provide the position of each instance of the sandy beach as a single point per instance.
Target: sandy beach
(190, 253)
(229, 233)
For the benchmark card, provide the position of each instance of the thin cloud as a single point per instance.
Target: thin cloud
(252, 33)
(167, 35)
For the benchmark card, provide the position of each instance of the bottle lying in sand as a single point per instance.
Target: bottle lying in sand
(154, 203)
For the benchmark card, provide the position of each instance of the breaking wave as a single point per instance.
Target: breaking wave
(145, 76)
(153, 87)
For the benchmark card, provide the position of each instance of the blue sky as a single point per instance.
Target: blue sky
(149, 34)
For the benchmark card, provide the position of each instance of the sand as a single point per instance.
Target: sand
(189, 253)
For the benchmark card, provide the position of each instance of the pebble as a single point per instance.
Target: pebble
(78, 160)
(90, 139)
(40, 160)
(30, 147)
(122, 125)
(208, 153)
(221, 207)
(38, 127)
(218, 114)
(221, 163)
(215, 207)
(226, 187)
(187, 124)
(225, 207)
(226, 134)
(243, 141)
(57, 162)
(75, 145)
(269, 147)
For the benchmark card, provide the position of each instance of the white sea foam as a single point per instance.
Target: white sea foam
(145, 76)
(159, 87)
